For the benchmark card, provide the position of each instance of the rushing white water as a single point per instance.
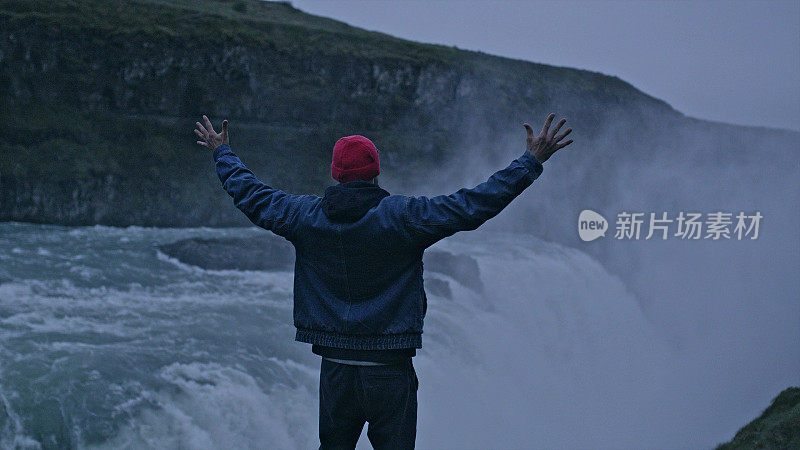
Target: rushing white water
(105, 342)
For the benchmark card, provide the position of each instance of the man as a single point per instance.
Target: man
(358, 289)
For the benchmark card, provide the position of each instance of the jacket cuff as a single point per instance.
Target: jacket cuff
(533, 165)
(221, 150)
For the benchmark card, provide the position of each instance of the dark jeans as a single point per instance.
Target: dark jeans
(384, 396)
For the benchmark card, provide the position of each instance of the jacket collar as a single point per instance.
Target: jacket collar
(348, 202)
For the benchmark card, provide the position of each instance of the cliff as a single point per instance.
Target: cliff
(99, 99)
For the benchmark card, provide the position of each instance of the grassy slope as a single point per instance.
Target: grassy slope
(778, 427)
(199, 19)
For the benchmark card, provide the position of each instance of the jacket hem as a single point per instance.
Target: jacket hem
(359, 342)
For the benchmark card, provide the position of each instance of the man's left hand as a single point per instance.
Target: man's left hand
(209, 137)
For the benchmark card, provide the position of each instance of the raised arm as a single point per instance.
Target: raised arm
(266, 207)
(432, 219)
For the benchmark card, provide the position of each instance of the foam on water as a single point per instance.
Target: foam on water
(127, 347)
(208, 405)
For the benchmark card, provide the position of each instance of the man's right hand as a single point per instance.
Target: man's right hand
(546, 143)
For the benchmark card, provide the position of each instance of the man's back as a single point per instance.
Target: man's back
(358, 286)
(358, 272)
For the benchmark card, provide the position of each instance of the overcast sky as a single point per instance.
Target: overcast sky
(733, 61)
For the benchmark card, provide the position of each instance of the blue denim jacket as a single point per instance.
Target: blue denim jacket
(358, 268)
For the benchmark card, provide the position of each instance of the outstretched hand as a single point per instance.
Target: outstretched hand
(209, 137)
(546, 143)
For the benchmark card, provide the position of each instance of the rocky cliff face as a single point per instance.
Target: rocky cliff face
(101, 98)
(277, 81)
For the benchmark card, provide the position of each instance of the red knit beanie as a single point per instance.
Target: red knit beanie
(354, 158)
